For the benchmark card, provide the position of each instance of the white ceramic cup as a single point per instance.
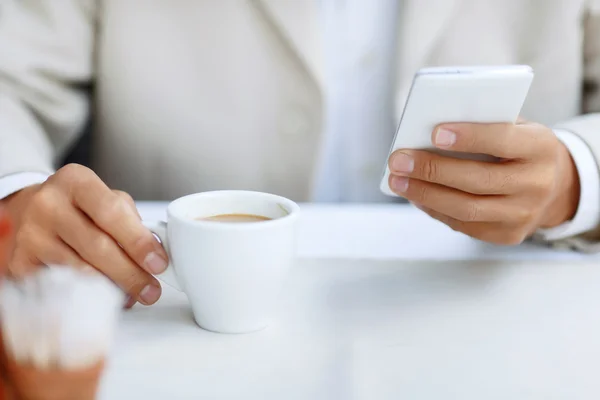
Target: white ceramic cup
(231, 272)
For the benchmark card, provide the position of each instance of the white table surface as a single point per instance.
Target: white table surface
(384, 303)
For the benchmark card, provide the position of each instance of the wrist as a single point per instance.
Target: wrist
(565, 201)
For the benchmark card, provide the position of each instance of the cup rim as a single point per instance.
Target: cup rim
(290, 206)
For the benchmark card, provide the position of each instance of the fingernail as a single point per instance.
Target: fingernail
(399, 184)
(155, 263)
(402, 162)
(150, 294)
(445, 138)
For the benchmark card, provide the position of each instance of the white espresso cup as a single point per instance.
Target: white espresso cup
(231, 272)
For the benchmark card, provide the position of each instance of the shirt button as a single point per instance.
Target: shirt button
(295, 122)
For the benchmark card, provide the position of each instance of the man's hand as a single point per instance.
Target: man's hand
(75, 219)
(535, 185)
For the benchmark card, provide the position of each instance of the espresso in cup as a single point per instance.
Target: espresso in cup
(235, 218)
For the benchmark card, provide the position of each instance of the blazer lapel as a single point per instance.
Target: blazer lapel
(299, 24)
(422, 23)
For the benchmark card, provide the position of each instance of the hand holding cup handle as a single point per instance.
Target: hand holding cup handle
(75, 219)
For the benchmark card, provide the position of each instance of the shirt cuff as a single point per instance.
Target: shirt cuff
(10, 184)
(587, 216)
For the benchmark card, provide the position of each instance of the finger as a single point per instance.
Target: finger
(47, 252)
(452, 223)
(459, 205)
(42, 250)
(476, 177)
(114, 215)
(125, 196)
(494, 233)
(53, 251)
(101, 251)
(22, 263)
(501, 140)
(129, 303)
(39, 249)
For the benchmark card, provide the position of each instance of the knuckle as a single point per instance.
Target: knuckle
(515, 131)
(21, 263)
(507, 181)
(112, 210)
(45, 200)
(472, 211)
(125, 196)
(430, 170)
(102, 244)
(421, 193)
(545, 189)
(487, 181)
(470, 139)
(28, 228)
(549, 142)
(129, 201)
(72, 172)
(524, 215)
(543, 184)
(75, 179)
(23, 236)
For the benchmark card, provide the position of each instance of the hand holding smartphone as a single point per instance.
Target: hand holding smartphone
(486, 94)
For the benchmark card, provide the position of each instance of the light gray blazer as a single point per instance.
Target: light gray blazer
(199, 95)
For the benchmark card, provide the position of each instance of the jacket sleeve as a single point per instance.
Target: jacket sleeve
(587, 126)
(46, 59)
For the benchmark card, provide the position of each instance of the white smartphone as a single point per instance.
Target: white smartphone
(481, 94)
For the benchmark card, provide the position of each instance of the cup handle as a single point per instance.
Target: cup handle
(169, 276)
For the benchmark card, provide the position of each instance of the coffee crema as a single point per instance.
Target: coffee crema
(235, 218)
